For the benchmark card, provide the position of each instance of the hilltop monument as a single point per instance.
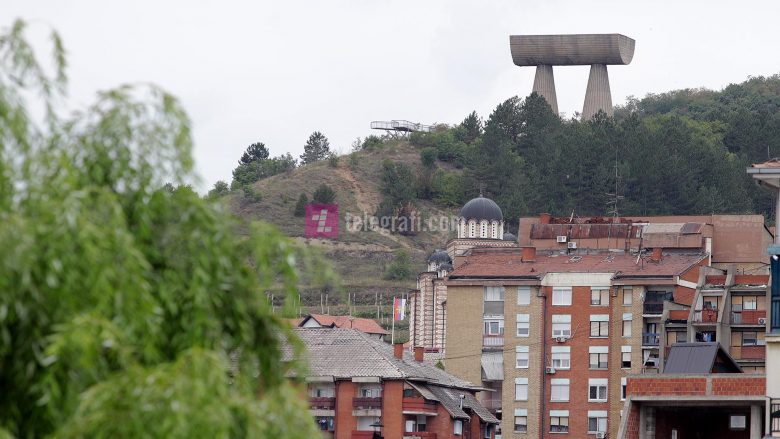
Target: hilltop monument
(596, 50)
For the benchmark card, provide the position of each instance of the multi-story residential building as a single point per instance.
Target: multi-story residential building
(727, 308)
(360, 388)
(559, 333)
(767, 174)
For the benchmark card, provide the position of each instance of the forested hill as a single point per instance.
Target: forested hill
(681, 152)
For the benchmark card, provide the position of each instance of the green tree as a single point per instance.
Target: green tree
(300, 206)
(316, 148)
(428, 157)
(401, 267)
(254, 153)
(470, 129)
(128, 309)
(220, 189)
(324, 194)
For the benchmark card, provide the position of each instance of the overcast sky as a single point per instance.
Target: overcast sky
(274, 71)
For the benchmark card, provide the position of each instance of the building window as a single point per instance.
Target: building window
(488, 430)
(623, 386)
(521, 389)
(494, 327)
(599, 296)
(628, 298)
(523, 325)
(561, 357)
(625, 357)
(559, 423)
(523, 295)
(749, 339)
(370, 391)
(627, 318)
(561, 296)
(561, 325)
(597, 421)
(324, 423)
(457, 427)
(599, 325)
(494, 301)
(559, 389)
(737, 422)
(597, 390)
(521, 424)
(598, 357)
(521, 353)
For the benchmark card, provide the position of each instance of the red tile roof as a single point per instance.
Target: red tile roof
(368, 326)
(507, 263)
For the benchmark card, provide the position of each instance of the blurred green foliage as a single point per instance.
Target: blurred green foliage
(131, 308)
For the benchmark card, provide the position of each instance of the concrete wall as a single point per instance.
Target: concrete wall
(464, 332)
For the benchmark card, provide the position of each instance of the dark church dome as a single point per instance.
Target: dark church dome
(440, 257)
(510, 237)
(481, 208)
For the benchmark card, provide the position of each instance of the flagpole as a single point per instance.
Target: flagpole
(392, 331)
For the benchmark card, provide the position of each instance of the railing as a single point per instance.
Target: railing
(322, 403)
(559, 429)
(416, 404)
(650, 339)
(653, 308)
(705, 315)
(774, 410)
(492, 340)
(367, 403)
(747, 317)
(650, 369)
(419, 435)
(753, 353)
(492, 404)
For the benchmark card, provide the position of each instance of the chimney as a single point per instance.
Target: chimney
(545, 218)
(398, 351)
(529, 254)
(657, 254)
(418, 353)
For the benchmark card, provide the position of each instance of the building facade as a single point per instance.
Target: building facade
(360, 387)
(558, 335)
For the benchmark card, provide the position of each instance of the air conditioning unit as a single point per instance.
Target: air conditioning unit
(571, 244)
(561, 339)
(549, 370)
(762, 320)
(561, 238)
(601, 435)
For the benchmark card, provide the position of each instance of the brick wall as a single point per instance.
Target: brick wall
(464, 332)
(697, 385)
(632, 424)
(345, 422)
(392, 403)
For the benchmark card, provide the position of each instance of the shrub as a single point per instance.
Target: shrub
(324, 195)
(428, 157)
(300, 206)
(333, 161)
(401, 267)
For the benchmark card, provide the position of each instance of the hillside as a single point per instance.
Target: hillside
(682, 152)
(360, 257)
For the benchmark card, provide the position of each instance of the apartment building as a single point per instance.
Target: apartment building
(559, 334)
(360, 387)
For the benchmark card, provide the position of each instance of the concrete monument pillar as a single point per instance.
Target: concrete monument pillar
(598, 95)
(544, 85)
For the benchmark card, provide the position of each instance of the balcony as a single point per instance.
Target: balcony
(707, 315)
(653, 308)
(748, 317)
(367, 403)
(493, 340)
(322, 403)
(650, 339)
(753, 353)
(418, 405)
(419, 435)
(492, 404)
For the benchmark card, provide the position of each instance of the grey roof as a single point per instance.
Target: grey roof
(699, 358)
(439, 256)
(346, 353)
(450, 399)
(481, 208)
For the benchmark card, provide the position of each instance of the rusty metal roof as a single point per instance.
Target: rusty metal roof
(699, 358)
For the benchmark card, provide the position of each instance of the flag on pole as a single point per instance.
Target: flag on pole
(399, 308)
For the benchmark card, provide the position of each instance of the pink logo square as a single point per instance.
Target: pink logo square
(322, 220)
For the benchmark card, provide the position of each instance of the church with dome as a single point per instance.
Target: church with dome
(480, 223)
